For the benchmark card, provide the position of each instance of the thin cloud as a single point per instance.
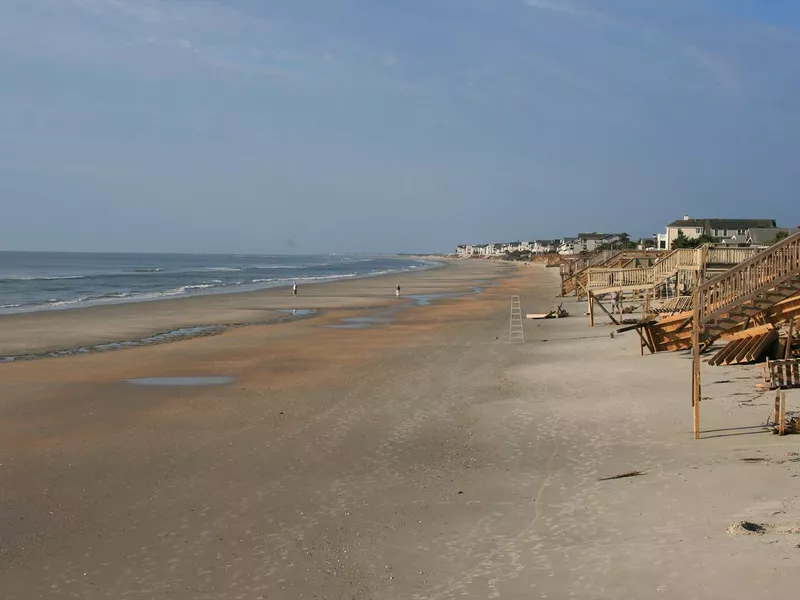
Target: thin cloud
(721, 70)
(564, 7)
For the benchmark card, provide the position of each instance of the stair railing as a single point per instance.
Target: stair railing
(684, 258)
(745, 281)
(720, 255)
(584, 262)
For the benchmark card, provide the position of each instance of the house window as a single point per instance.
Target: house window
(698, 230)
(741, 231)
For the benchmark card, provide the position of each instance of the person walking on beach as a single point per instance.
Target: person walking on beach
(294, 290)
(397, 291)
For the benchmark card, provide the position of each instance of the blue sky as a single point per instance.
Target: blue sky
(385, 126)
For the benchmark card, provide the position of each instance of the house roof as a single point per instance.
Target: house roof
(759, 235)
(725, 223)
(596, 236)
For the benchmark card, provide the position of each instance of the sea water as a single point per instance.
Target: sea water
(33, 281)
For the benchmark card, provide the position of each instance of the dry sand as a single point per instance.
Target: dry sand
(423, 457)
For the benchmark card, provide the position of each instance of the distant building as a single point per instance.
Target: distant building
(589, 242)
(646, 244)
(725, 230)
(761, 237)
(568, 246)
(543, 246)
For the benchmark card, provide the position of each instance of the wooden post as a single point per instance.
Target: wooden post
(696, 388)
(782, 421)
(620, 306)
(788, 353)
(776, 407)
(605, 310)
(591, 309)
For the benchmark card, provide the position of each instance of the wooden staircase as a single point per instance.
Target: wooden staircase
(750, 289)
(761, 290)
(570, 268)
(683, 263)
(576, 281)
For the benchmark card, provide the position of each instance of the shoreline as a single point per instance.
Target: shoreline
(424, 264)
(100, 328)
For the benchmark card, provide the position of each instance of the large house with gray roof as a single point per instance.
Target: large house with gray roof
(727, 231)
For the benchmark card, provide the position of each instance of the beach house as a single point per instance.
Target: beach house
(542, 246)
(736, 231)
(589, 242)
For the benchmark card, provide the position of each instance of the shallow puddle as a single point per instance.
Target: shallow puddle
(426, 299)
(180, 381)
(299, 312)
(360, 322)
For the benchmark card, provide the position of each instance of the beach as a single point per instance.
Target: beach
(382, 448)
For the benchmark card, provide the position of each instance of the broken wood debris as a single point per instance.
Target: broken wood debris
(622, 475)
(558, 313)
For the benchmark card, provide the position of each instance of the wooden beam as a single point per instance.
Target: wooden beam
(782, 421)
(788, 352)
(600, 304)
(651, 345)
(591, 309)
(696, 388)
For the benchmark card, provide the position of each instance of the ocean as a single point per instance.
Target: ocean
(34, 281)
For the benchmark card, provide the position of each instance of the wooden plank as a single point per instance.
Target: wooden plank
(762, 341)
(776, 407)
(782, 422)
(731, 348)
(788, 352)
(696, 388)
(749, 332)
(737, 347)
(641, 341)
(649, 337)
(767, 339)
(749, 344)
(603, 308)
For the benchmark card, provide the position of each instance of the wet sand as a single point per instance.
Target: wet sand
(55, 330)
(420, 457)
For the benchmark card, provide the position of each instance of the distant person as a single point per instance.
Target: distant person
(294, 290)
(397, 291)
(617, 304)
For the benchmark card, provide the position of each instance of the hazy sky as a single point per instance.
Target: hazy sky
(389, 125)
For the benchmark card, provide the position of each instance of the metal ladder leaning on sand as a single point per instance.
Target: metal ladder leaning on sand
(515, 331)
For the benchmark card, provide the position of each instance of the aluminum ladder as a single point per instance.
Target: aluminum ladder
(515, 330)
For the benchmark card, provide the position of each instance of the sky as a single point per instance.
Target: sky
(315, 126)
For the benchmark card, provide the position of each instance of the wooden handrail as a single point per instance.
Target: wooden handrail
(685, 258)
(754, 276)
(575, 266)
(722, 255)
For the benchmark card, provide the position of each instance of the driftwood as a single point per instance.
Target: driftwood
(558, 313)
(622, 475)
